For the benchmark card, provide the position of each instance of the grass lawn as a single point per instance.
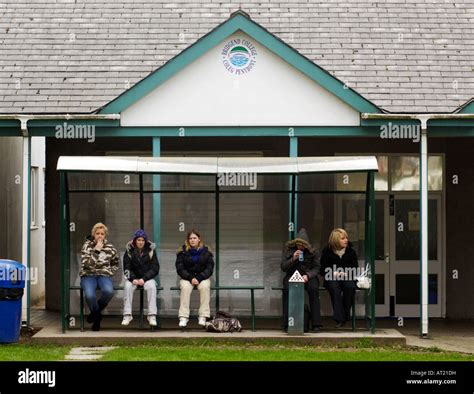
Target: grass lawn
(28, 352)
(206, 350)
(266, 351)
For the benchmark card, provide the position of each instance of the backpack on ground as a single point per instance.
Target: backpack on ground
(223, 322)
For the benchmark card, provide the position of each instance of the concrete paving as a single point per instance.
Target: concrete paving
(88, 353)
(445, 334)
(127, 336)
(449, 343)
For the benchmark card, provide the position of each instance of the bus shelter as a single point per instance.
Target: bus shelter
(144, 191)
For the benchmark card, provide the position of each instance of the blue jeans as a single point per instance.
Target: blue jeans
(90, 283)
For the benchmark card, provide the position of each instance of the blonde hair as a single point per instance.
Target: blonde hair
(98, 226)
(187, 244)
(335, 237)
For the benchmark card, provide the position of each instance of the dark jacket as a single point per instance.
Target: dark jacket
(140, 266)
(310, 266)
(330, 259)
(188, 270)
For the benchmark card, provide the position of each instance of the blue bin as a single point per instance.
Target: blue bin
(12, 283)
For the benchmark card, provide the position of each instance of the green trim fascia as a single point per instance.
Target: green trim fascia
(239, 22)
(303, 131)
(468, 109)
(451, 122)
(451, 131)
(10, 123)
(320, 131)
(10, 128)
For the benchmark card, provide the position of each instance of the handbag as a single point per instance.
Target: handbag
(363, 281)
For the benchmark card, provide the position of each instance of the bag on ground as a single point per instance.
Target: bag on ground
(223, 322)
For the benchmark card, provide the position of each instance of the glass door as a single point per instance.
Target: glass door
(350, 215)
(405, 256)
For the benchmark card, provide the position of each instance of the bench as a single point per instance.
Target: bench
(252, 295)
(323, 288)
(140, 288)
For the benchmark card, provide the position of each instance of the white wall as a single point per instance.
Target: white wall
(37, 233)
(272, 93)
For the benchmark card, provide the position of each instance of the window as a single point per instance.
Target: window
(34, 197)
(358, 181)
(405, 173)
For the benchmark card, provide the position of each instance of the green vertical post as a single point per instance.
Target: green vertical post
(157, 214)
(292, 203)
(370, 244)
(142, 213)
(252, 307)
(295, 307)
(217, 242)
(68, 245)
(157, 198)
(62, 235)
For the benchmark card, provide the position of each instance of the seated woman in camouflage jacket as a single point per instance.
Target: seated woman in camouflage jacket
(99, 262)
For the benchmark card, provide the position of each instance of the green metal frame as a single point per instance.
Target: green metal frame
(369, 247)
(217, 230)
(292, 193)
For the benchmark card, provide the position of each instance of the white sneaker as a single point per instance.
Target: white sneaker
(202, 321)
(183, 321)
(126, 320)
(152, 320)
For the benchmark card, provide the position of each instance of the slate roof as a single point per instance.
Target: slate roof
(77, 55)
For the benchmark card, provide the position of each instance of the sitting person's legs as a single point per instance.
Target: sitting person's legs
(284, 299)
(185, 297)
(128, 290)
(204, 288)
(106, 287)
(348, 294)
(150, 288)
(312, 287)
(89, 286)
(334, 288)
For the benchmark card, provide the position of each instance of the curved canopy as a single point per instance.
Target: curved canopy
(217, 165)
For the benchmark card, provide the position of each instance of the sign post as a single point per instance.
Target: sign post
(296, 304)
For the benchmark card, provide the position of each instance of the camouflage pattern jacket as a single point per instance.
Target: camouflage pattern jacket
(103, 263)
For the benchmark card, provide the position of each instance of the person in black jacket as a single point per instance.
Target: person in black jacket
(338, 267)
(140, 267)
(308, 268)
(194, 264)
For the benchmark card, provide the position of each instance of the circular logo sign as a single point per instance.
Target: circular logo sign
(239, 56)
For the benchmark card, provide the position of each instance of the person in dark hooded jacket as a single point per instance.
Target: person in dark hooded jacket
(140, 267)
(308, 268)
(338, 263)
(194, 264)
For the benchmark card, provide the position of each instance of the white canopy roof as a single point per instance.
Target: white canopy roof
(217, 165)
